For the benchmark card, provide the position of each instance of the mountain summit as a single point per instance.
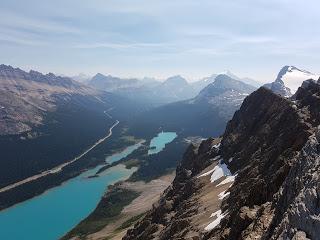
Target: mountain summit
(289, 80)
(224, 83)
(175, 80)
(176, 88)
(202, 83)
(225, 94)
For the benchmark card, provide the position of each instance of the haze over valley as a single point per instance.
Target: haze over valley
(165, 120)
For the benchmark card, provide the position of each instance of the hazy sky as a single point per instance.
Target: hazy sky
(159, 38)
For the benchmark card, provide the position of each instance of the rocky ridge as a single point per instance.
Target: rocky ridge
(271, 146)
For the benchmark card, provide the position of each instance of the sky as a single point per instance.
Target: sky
(160, 38)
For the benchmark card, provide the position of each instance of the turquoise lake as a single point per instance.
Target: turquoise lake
(159, 142)
(55, 212)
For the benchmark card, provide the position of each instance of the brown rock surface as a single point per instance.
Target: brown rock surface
(272, 144)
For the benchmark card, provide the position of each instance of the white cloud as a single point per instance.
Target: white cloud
(122, 46)
(14, 20)
(162, 36)
(21, 41)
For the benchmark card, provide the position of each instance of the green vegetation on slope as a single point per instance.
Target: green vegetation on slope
(157, 165)
(107, 210)
(130, 222)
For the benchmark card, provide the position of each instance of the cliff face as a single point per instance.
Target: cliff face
(271, 146)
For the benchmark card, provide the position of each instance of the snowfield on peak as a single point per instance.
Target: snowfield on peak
(289, 79)
(294, 77)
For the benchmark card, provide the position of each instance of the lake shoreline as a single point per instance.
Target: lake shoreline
(104, 216)
(122, 168)
(130, 206)
(39, 186)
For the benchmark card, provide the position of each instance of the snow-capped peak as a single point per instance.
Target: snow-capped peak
(292, 77)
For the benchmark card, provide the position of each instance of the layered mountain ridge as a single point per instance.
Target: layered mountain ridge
(204, 115)
(111, 84)
(173, 89)
(156, 93)
(259, 181)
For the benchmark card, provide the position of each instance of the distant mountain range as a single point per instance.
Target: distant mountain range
(112, 84)
(146, 90)
(157, 93)
(204, 115)
(289, 80)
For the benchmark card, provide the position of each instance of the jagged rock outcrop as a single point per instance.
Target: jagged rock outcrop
(272, 145)
(298, 207)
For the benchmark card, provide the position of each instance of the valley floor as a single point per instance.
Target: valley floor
(60, 167)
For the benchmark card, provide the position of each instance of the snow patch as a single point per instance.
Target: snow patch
(206, 173)
(216, 214)
(219, 216)
(223, 194)
(219, 171)
(216, 146)
(228, 179)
